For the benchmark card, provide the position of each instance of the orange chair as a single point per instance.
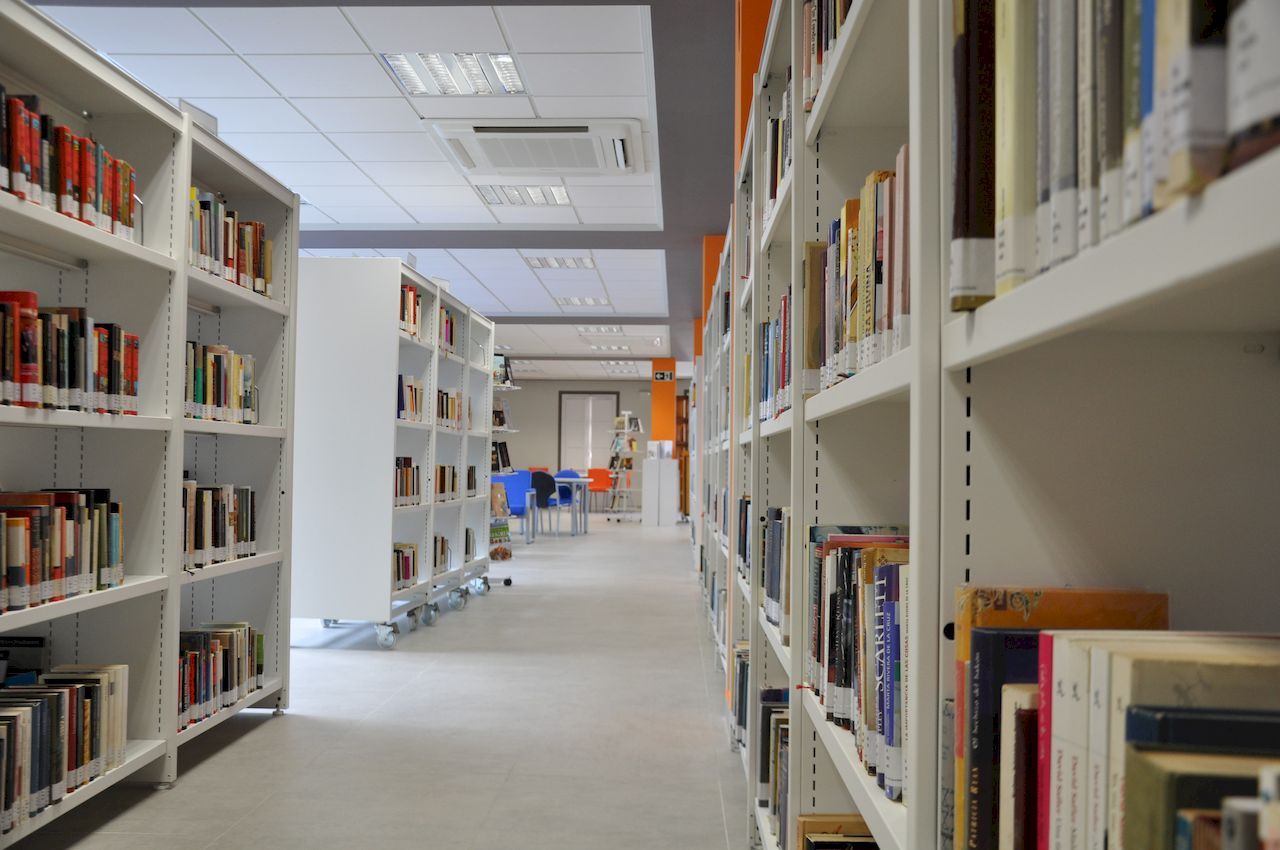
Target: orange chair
(600, 481)
(539, 469)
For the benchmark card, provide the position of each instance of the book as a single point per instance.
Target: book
(1015, 187)
(1064, 185)
(1164, 782)
(448, 321)
(773, 702)
(972, 262)
(58, 544)
(1016, 800)
(1131, 32)
(1151, 116)
(220, 523)
(818, 841)
(220, 385)
(1191, 63)
(1240, 823)
(408, 482)
(1088, 163)
(1222, 730)
(410, 398)
(219, 664)
(1253, 93)
(947, 819)
(221, 243)
(1044, 112)
(1197, 828)
(411, 310)
(1109, 82)
(1035, 607)
(404, 565)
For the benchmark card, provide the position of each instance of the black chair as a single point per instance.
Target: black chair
(547, 498)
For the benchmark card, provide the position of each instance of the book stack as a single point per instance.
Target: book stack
(220, 522)
(58, 358)
(221, 244)
(404, 565)
(411, 310)
(777, 151)
(408, 483)
(446, 483)
(472, 486)
(775, 362)
(219, 665)
(449, 409)
(220, 385)
(410, 398)
(1074, 121)
(857, 283)
(448, 324)
(440, 555)
(822, 21)
(856, 658)
(499, 457)
(774, 722)
(59, 730)
(58, 544)
(44, 163)
(776, 548)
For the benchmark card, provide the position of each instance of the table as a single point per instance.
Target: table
(578, 491)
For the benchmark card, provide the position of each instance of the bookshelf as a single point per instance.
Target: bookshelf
(1072, 432)
(147, 284)
(345, 575)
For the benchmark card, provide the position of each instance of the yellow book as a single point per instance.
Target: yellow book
(1015, 143)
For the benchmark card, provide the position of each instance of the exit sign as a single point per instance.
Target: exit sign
(664, 376)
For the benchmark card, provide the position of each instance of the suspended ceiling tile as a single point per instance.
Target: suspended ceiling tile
(344, 252)
(191, 76)
(352, 115)
(620, 259)
(645, 178)
(439, 261)
(369, 215)
(580, 288)
(118, 29)
(567, 275)
(428, 29)
(618, 215)
(592, 107)
(326, 75)
(614, 196)
(535, 215)
(573, 29)
(481, 106)
(345, 196)
(584, 74)
(434, 196)
(281, 29)
(317, 173)
(283, 147)
(308, 214)
(413, 173)
(254, 115)
(451, 215)
(416, 146)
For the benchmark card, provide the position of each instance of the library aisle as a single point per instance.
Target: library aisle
(578, 709)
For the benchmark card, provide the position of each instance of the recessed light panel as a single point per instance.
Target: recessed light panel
(521, 196)
(453, 74)
(599, 330)
(582, 301)
(595, 347)
(560, 262)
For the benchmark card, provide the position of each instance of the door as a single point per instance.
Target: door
(586, 429)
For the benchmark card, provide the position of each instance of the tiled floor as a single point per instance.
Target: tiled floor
(580, 709)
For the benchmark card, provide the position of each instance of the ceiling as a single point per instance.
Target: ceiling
(301, 88)
(534, 369)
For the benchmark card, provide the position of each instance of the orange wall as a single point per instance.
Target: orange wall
(712, 247)
(751, 20)
(662, 415)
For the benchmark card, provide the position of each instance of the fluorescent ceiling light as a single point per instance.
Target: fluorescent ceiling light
(595, 347)
(440, 73)
(473, 73)
(560, 262)
(582, 301)
(599, 330)
(408, 76)
(520, 196)
(498, 346)
(628, 363)
(505, 67)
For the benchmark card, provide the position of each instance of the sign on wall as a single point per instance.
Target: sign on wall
(664, 376)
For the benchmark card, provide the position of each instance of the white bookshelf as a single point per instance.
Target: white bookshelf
(148, 286)
(351, 351)
(1073, 432)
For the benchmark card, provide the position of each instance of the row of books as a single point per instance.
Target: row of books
(856, 655)
(473, 476)
(404, 565)
(776, 569)
(778, 147)
(448, 326)
(59, 730)
(439, 554)
(500, 419)
(58, 544)
(220, 523)
(411, 310)
(221, 244)
(740, 692)
(746, 539)
(219, 665)
(834, 832)
(499, 457)
(449, 409)
(410, 398)
(774, 362)
(776, 761)
(220, 384)
(446, 482)
(46, 164)
(58, 358)
(857, 285)
(822, 21)
(1074, 121)
(468, 544)
(408, 483)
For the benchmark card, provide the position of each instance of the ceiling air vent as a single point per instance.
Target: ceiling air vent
(539, 146)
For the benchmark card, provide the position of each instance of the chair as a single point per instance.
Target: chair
(566, 492)
(518, 484)
(546, 498)
(601, 482)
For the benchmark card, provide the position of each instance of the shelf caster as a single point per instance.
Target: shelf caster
(506, 582)
(413, 621)
(480, 586)
(279, 712)
(329, 624)
(163, 786)
(458, 599)
(428, 614)
(387, 634)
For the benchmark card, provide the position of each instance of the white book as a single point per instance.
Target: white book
(1044, 181)
(1016, 144)
(1063, 176)
(1087, 164)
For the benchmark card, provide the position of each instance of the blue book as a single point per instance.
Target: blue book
(1147, 100)
(893, 699)
(1217, 730)
(999, 657)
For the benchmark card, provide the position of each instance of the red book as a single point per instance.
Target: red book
(109, 189)
(19, 161)
(1044, 722)
(127, 203)
(88, 181)
(62, 156)
(103, 348)
(27, 361)
(132, 349)
(33, 156)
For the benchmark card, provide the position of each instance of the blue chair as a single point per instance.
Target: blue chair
(566, 492)
(519, 485)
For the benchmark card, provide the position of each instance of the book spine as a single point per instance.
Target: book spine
(1109, 72)
(1131, 32)
(1253, 79)
(1044, 741)
(1064, 188)
(1197, 110)
(1087, 106)
(1044, 181)
(1150, 127)
(972, 258)
(1015, 144)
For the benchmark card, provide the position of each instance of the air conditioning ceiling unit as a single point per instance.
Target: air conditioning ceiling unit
(526, 147)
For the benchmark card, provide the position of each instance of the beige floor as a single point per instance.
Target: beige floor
(580, 709)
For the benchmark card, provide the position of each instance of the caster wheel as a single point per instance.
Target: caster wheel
(479, 587)
(329, 624)
(386, 636)
(413, 622)
(457, 600)
(428, 614)
(506, 582)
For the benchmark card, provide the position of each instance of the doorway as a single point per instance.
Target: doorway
(586, 429)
